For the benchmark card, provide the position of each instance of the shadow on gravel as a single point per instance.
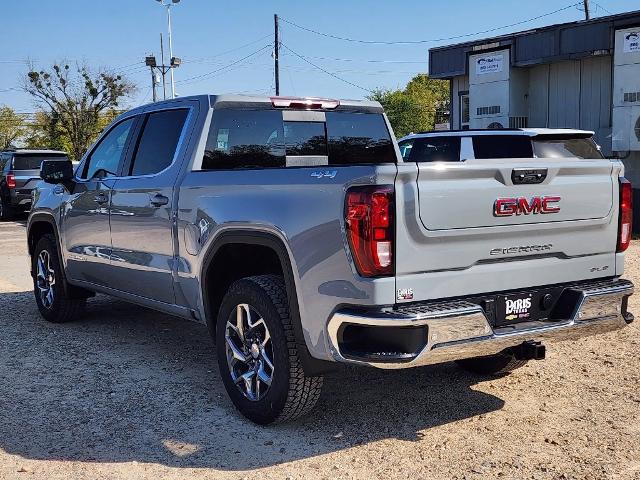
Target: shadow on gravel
(128, 384)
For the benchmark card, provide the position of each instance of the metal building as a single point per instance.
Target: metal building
(576, 75)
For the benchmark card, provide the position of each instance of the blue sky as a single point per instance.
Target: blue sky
(210, 35)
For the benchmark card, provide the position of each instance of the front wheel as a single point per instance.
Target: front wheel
(53, 302)
(258, 355)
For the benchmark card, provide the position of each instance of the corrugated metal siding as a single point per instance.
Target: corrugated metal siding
(532, 48)
(595, 99)
(452, 61)
(538, 96)
(543, 45)
(585, 38)
(564, 94)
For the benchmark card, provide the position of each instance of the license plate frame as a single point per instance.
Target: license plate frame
(519, 307)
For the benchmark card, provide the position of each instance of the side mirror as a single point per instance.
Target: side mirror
(56, 171)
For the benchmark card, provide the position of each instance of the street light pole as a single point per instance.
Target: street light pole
(173, 85)
(168, 5)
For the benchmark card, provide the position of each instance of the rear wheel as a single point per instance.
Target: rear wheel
(53, 302)
(499, 364)
(258, 355)
(6, 212)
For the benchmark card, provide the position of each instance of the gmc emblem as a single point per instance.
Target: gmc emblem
(507, 207)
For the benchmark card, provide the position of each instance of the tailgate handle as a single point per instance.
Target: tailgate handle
(528, 176)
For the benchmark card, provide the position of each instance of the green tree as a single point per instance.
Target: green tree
(44, 132)
(417, 107)
(76, 101)
(12, 127)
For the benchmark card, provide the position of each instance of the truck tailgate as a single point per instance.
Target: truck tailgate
(452, 242)
(462, 195)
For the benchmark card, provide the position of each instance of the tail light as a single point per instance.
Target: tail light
(370, 229)
(626, 214)
(11, 180)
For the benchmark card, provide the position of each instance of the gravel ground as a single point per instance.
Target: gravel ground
(129, 393)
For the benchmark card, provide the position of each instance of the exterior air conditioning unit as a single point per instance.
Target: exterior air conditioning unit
(489, 89)
(626, 91)
(497, 91)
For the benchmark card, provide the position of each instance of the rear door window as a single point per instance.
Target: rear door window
(502, 146)
(244, 139)
(158, 142)
(436, 149)
(358, 138)
(33, 161)
(563, 147)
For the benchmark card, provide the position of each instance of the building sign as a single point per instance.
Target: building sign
(489, 64)
(631, 42)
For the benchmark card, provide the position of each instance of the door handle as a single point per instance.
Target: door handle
(159, 200)
(101, 198)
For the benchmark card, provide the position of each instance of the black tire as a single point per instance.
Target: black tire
(291, 393)
(499, 364)
(6, 211)
(62, 307)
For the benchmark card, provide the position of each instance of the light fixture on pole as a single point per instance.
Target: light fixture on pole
(168, 4)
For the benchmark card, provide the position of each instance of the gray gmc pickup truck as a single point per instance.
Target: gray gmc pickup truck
(306, 238)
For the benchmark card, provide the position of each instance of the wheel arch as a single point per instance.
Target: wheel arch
(264, 241)
(41, 224)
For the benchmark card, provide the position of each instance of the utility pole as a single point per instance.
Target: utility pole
(153, 79)
(160, 70)
(150, 61)
(587, 12)
(164, 72)
(276, 59)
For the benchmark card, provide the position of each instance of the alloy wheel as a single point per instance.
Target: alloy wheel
(45, 279)
(249, 352)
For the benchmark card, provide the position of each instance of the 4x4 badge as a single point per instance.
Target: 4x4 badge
(326, 173)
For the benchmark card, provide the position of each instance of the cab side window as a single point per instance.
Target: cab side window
(405, 149)
(436, 149)
(106, 157)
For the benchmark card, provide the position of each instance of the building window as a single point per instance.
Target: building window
(632, 97)
(493, 110)
(464, 111)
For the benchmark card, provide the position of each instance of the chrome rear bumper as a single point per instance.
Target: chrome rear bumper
(457, 330)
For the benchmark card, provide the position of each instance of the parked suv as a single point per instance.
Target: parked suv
(19, 173)
(299, 234)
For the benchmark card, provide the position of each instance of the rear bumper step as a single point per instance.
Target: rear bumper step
(431, 333)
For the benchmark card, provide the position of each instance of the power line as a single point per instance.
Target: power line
(432, 40)
(208, 74)
(205, 59)
(421, 62)
(327, 71)
(601, 7)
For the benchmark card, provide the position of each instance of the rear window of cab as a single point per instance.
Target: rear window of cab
(32, 161)
(240, 139)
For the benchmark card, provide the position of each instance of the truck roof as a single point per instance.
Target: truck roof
(531, 132)
(28, 151)
(265, 101)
